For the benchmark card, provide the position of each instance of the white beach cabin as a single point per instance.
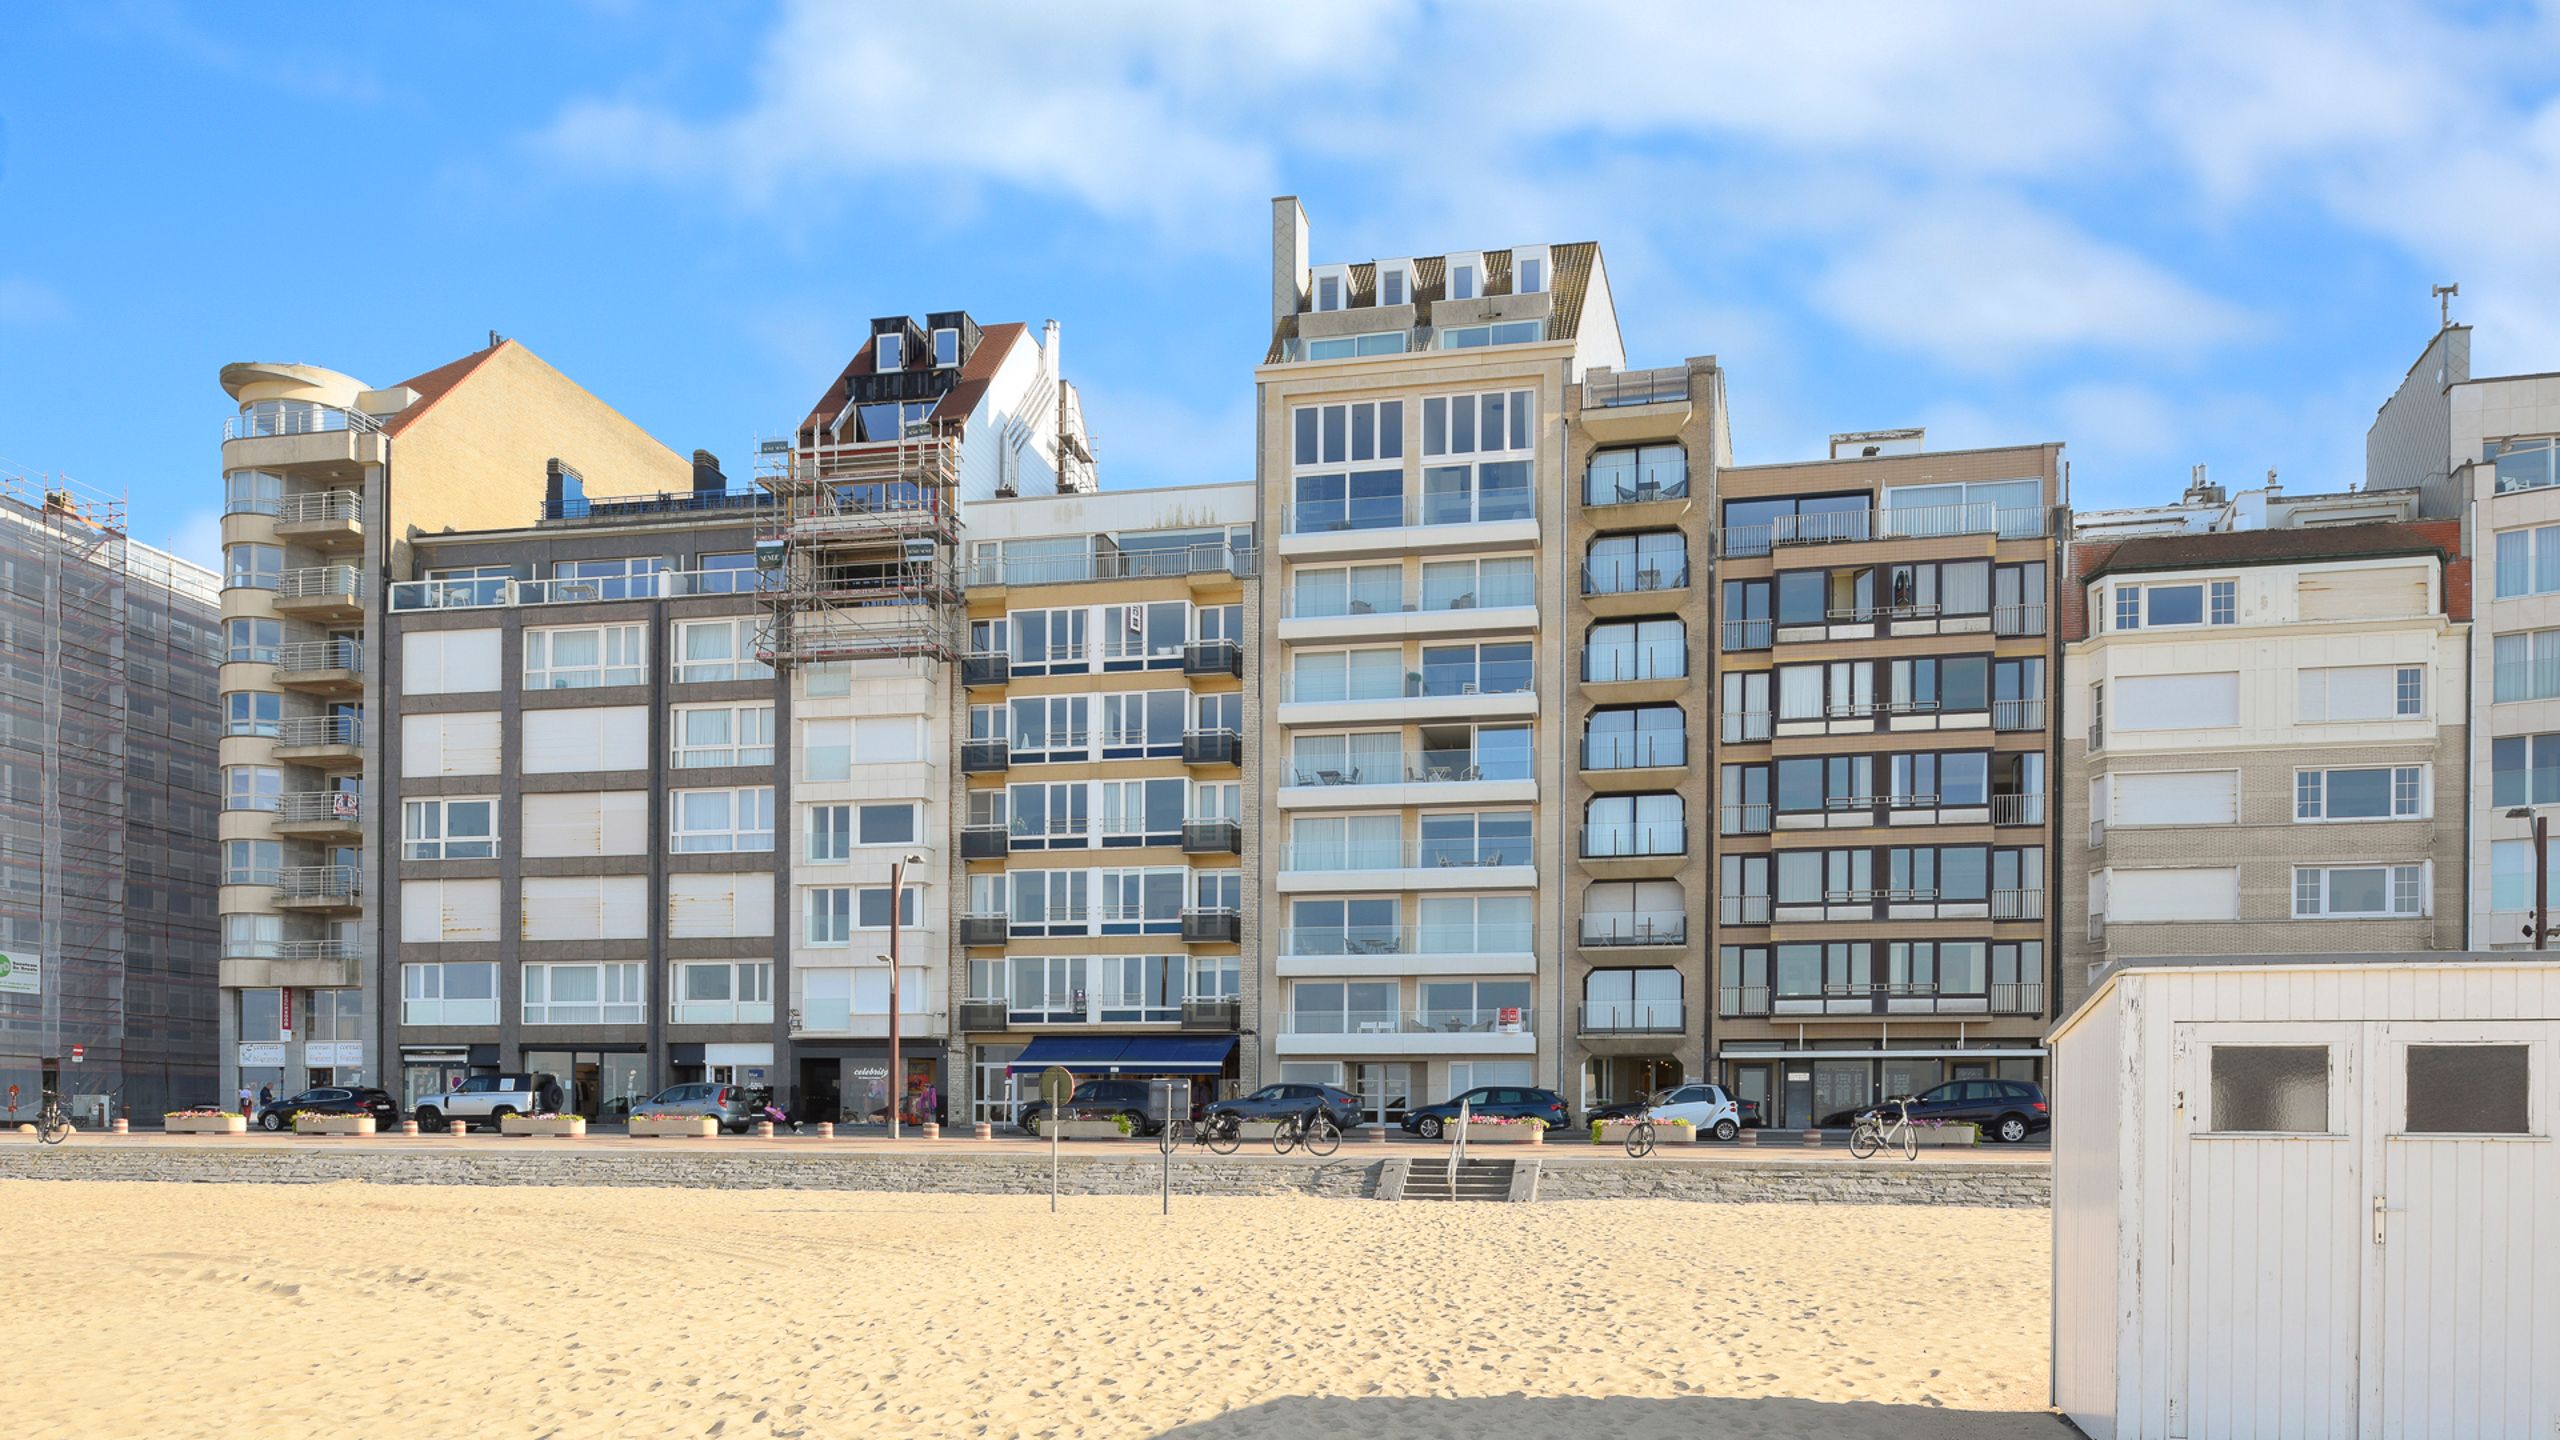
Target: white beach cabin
(2309, 1196)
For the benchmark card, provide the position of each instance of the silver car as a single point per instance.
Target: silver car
(725, 1103)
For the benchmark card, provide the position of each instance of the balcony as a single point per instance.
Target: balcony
(985, 757)
(2017, 619)
(1632, 577)
(983, 1015)
(321, 592)
(983, 668)
(284, 434)
(1606, 484)
(1368, 950)
(1397, 1032)
(1218, 1015)
(1428, 777)
(479, 592)
(1208, 560)
(1212, 927)
(1387, 525)
(1634, 752)
(1870, 1000)
(1617, 664)
(1212, 837)
(320, 814)
(2017, 809)
(1377, 613)
(1917, 523)
(273, 964)
(1749, 634)
(837, 1017)
(984, 928)
(324, 742)
(318, 887)
(326, 667)
(1628, 931)
(1606, 1018)
(985, 842)
(1742, 909)
(322, 519)
(1212, 747)
(1618, 389)
(2017, 904)
(1455, 693)
(2017, 714)
(1473, 863)
(1213, 657)
(1635, 840)
(1743, 819)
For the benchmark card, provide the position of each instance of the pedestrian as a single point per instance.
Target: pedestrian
(928, 1106)
(266, 1095)
(248, 1100)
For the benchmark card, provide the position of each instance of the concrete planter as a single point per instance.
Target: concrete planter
(1615, 1132)
(1962, 1133)
(674, 1127)
(558, 1127)
(1083, 1129)
(205, 1124)
(333, 1125)
(1479, 1134)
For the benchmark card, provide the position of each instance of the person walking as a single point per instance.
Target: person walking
(248, 1101)
(266, 1095)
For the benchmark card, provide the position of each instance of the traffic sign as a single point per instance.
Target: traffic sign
(1057, 1087)
(79, 1053)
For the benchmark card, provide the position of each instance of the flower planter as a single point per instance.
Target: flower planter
(1956, 1133)
(205, 1124)
(1482, 1134)
(1615, 1132)
(1083, 1129)
(333, 1125)
(674, 1127)
(558, 1127)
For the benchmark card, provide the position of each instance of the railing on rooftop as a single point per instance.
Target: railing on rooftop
(481, 592)
(263, 418)
(1911, 523)
(1607, 388)
(666, 502)
(1237, 560)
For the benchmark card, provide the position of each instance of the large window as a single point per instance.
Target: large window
(251, 862)
(713, 735)
(2359, 891)
(454, 992)
(1629, 564)
(1752, 527)
(1636, 737)
(253, 567)
(1356, 454)
(721, 820)
(2392, 792)
(585, 656)
(449, 829)
(2153, 607)
(1629, 476)
(2531, 464)
(2529, 561)
(1636, 650)
(2362, 692)
(1497, 424)
(609, 994)
(2511, 874)
(252, 787)
(719, 650)
(252, 640)
(2527, 666)
(722, 992)
(253, 712)
(2524, 770)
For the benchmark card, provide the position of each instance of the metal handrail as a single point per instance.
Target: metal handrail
(1426, 767)
(1609, 663)
(317, 582)
(1519, 596)
(304, 807)
(1420, 685)
(321, 729)
(1204, 559)
(1657, 928)
(1634, 839)
(320, 655)
(1408, 855)
(319, 507)
(1602, 389)
(261, 419)
(1481, 938)
(316, 882)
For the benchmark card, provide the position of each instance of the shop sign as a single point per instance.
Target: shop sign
(21, 974)
(261, 1055)
(343, 1052)
(1506, 1020)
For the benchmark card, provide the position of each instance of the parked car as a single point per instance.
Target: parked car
(479, 1100)
(1704, 1106)
(1104, 1100)
(2007, 1110)
(1751, 1114)
(727, 1104)
(331, 1100)
(1283, 1102)
(1429, 1121)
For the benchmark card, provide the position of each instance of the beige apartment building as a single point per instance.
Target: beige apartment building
(326, 480)
(2267, 736)
(1407, 760)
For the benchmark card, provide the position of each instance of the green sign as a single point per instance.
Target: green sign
(21, 975)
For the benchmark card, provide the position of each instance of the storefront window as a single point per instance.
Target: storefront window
(994, 1098)
(601, 1085)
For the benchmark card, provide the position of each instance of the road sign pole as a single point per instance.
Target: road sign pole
(1057, 1087)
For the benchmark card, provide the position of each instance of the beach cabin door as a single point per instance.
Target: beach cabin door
(2268, 1231)
(2460, 1235)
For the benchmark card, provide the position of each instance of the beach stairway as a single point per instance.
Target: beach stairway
(1499, 1181)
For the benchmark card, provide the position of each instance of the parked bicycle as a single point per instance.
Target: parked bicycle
(1873, 1132)
(1313, 1132)
(1219, 1134)
(1640, 1137)
(53, 1123)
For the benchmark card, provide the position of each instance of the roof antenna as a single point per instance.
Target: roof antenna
(2444, 302)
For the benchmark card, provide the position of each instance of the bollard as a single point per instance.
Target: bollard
(1813, 1139)
(982, 1131)
(932, 1131)
(1377, 1134)
(764, 1129)
(457, 1129)
(120, 1126)
(1537, 1134)
(826, 1129)
(1747, 1137)
(408, 1127)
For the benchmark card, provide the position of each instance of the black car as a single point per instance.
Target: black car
(1284, 1102)
(1105, 1100)
(2007, 1110)
(331, 1100)
(1503, 1100)
(1751, 1117)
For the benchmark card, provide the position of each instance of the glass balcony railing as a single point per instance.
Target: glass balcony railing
(1317, 688)
(1648, 927)
(1633, 1017)
(1608, 389)
(1482, 938)
(1414, 767)
(1207, 559)
(1638, 576)
(483, 592)
(293, 417)
(1472, 852)
(1604, 664)
(1632, 840)
(1634, 752)
(1309, 602)
(1510, 1020)
(1635, 484)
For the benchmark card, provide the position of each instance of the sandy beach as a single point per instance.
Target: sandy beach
(183, 1310)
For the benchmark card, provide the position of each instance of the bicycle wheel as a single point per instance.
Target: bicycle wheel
(53, 1130)
(1169, 1136)
(1222, 1135)
(1322, 1138)
(1284, 1139)
(1910, 1142)
(1640, 1140)
(1864, 1141)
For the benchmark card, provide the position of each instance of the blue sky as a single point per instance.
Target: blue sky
(2177, 234)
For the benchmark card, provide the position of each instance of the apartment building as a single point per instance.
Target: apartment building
(2267, 736)
(1104, 851)
(1644, 450)
(1883, 769)
(109, 724)
(1408, 764)
(326, 483)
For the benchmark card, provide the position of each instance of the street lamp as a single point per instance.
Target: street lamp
(897, 905)
(2541, 872)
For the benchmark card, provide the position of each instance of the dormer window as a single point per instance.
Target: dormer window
(1465, 277)
(1333, 287)
(946, 349)
(889, 352)
(1529, 271)
(1395, 284)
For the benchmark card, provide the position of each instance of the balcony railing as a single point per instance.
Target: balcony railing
(1749, 634)
(1486, 938)
(1608, 389)
(1212, 1014)
(1212, 837)
(1609, 484)
(1212, 926)
(2017, 714)
(1469, 853)
(2017, 619)
(311, 807)
(320, 730)
(1203, 559)
(1521, 1020)
(2017, 809)
(320, 507)
(1632, 1017)
(476, 593)
(1212, 747)
(317, 882)
(985, 842)
(1741, 726)
(2017, 904)
(1426, 767)
(1632, 577)
(1212, 657)
(319, 582)
(1322, 689)
(574, 508)
(320, 655)
(1648, 928)
(1742, 909)
(1634, 840)
(264, 418)
(983, 927)
(1385, 512)
(485, 592)
(1885, 998)
(1742, 1001)
(1918, 523)
(1751, 819)
(985, 757)
(1608, 664)
(319, 950)
(985, 667)
(1330, 604)
(1634, 752)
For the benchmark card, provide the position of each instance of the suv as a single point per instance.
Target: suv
(1501, 1100)
(1287, 1102)
(2007, 1110)
(1102, 1100)
(724, 1103)
(481, 1099)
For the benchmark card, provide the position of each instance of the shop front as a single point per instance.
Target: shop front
(1207, 1061)
(602, 1084)
(435, 1069)
(849, 1083)
(750, 1065)
(1797, 1088)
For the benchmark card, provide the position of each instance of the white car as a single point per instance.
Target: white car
(1705, 1106)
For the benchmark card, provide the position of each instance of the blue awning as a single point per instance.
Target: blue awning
(1098, 1057)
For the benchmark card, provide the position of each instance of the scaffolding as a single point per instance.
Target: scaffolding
(860, 555)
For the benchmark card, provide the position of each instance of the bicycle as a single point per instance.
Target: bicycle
(53, 1124)
(1640, 1138)
(1219, 1134)
(1313, 1132)
(1873, 1132)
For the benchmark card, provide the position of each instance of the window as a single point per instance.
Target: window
(1360, 450)
(946, 348)
(827, 916)
(463, 743)
(2529, 561)
(2527, 666)
(1636, 650)
(2202, 797)
(2169, 894)
(560, 824)
(1329, 287)
(2511, 874)
(1477, 337)
(1477, 584)
(722, 992)
(2382, 793)
(2271, 1089)
(2470, 1090)
(251, 862)
(252, 492)
(253, 567)
(1488, 669)
(1049, 902)
(1752, 526)
(2176, 702)
(1463, 275)
(1632, 475)
(2532, 464)
(722, 820)
(252, 787)
(1048, 641)
(719, 650)
(585, 907)
(448, 662)
(1142, 812)
(1052, 727)
(1528, 272)
(1927, 687)
(1144, 636)
(1631, 825)
(448, 910)
(628, 577)
(1052, 817)
(1456, 426)
(2524, 770)
(258, 937)
(2213, 602)
(1349, 347)
(584, 995)
(453, 992)
(888, 352)
(871, 907)
(1746, 706)
(2347, 693)
(830, 832)
(719, 905)
(2359, 891)
(1627, 564)
(585, 656)
(1143, 901)
(252, 640)
(254, 712)
(710, 735)
(1395, 283)
(449, 829)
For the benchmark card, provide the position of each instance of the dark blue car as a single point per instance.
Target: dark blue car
(1287, 1102)
(2007, 1110)
(1505, 1100)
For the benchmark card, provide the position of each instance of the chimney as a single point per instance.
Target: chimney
(1288, 258)
(2200, 491)
(707, 479)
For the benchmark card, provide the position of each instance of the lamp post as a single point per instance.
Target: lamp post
(2541, 872)
(897, 905)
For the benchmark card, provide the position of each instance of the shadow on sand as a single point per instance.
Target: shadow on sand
(1519, 1417)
